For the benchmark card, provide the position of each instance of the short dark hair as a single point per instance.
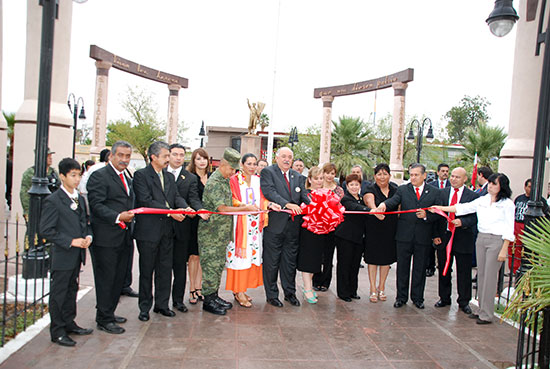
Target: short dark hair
(177, 146)
(86, 165)
(246, 156)
(527, 182)
(352, 177)
(418, 165)
(382, 166)
(104, 155)
(295, 160)
(505, 191)
(118, 144)
(442, 165)
(486, 172)
(68, 164)
(155, 148)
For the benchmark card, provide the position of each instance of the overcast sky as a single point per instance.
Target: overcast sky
(227, 50)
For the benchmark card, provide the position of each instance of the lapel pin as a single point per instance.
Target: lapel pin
(297, 189)
(182, 176)
(73, 206)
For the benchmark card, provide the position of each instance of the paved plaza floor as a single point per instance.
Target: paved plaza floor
(330, 334)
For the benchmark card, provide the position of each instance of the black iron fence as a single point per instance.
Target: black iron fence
(533, 349)
(25, 282)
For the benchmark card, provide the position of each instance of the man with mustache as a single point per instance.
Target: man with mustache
(110, 195)
(282, 185)
(156, 188)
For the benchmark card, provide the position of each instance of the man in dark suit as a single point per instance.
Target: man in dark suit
(156, 188)
(463, 243)
(110, 196)
(64, 222)
(188, 189)
(441, 182)
(282, 185)
(414, 234)
(483, 174)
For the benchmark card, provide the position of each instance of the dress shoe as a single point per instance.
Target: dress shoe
(129, 292)
(79, 331)
(441, 304)
(323, 289)
(430, 272)
(346, 299)
(481, 321)
(212, 306)
(224, 304)
(64, 341)
(398, 303)
(165, 312)
(317, 288)
(275, 302)
(180, 306)
(419, 305)
(111, 327)
(355, 296)
(143, 316)
(473, 316)
(466, 309)
(292, 299)
(120, 319)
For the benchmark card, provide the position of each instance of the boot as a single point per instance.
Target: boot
(209, 304)
(225, 304)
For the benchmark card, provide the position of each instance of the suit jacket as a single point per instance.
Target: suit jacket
(108, 198)
(353, 226)
(275, 189)
(188, 188)
(483, 190)
(409, 227)
(465, 236)
(60, 224)
(149, 193)
(436, 183)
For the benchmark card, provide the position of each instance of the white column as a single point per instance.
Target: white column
(397, 134)
(326, 130)
(516, 157)
(61, 120)
(100, 106)
(172, 123)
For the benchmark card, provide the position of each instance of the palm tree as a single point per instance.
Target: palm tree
(350, 139)
(486, 141)
(264, 121)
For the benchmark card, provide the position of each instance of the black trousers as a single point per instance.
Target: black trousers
(127, 286)
(62, 305)
(348, 256)
(463, 273)
(324, 277)
(431, 259)
(280, 252)
(419, 254)
(179, 268)
(155, 257)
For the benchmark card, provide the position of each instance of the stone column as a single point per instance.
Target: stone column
(61, 120)
(516, 157)
(100, 106)
(326, 130)
(172, 123)
(3, 128)
(397, 131)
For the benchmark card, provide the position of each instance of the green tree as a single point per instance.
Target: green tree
(10, 119)
(487, 142)
(143, 128)
(350, 143)
(308, 147)
(264, 121)
(470, 113)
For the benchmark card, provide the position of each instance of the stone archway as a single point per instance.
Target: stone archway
(104, 61)
(399, 82)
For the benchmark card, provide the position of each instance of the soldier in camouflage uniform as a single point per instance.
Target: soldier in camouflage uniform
(215, 234)
(26, 182)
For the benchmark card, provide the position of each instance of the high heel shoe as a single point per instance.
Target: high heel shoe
(311, 300)
(382, 296)
(373, 297)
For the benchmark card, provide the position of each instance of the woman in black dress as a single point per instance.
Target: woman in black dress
(199, 167)
(380, 247)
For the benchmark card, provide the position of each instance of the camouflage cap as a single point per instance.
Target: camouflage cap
(232, 156)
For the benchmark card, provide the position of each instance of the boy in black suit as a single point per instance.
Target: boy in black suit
(64, 222)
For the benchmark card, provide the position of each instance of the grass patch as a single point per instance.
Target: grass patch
(18, 319)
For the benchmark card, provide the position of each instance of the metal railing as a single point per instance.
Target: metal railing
(533, 349)
(25, 282)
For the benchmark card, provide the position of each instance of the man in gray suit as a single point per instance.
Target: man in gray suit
(283, 186)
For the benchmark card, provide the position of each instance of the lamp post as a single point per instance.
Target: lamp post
(73, 108)
(202, 134)
(420, 135)
(293, 137)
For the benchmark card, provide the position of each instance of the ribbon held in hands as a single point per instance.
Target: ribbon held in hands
(324, 212)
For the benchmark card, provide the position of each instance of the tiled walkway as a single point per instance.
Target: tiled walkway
(330, 334)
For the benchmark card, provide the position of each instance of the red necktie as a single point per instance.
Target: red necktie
(287, 183)
(123, 182)
(454, 200)
(417, 193)
(441, 184)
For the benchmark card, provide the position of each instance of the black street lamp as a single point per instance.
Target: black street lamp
(293, 137)
(202, 134)
(420, 135)
(76, 103)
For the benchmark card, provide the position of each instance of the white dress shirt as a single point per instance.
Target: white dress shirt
(495, 218)
(458, 195)
(175, 172)
(420, 189)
